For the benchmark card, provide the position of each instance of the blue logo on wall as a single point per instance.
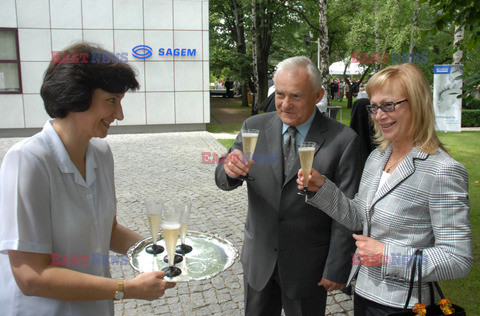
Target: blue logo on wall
(142, 51)
(145, 51)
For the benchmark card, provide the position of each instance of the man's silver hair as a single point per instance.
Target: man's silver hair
(293, 63)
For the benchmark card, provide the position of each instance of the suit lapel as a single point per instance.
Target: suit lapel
(317, 134)
(273, 136)
(403, 171)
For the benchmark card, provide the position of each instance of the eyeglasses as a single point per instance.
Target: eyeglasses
(385, 107)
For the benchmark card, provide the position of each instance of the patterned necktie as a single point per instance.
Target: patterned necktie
(289, 151)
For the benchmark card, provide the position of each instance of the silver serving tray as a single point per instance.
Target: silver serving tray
(210, 256)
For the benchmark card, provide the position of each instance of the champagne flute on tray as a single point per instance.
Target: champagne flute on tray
(171, 217)
(184, 248)
(154, 212)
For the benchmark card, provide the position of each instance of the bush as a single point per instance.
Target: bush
(470, 118)
(473, 104)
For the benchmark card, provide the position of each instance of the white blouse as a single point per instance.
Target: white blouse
(47, 207)
(383, 179)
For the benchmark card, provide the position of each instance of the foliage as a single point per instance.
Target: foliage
(471, 86)
(473, 104)
(225, 60)
(466, 14)
(471, 118)
(367, 26)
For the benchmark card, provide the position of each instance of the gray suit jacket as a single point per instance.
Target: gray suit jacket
(280, 227)
(423, 205)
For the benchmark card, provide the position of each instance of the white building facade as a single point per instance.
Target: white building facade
(166, 41)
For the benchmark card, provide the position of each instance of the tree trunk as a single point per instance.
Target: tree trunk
(244, 95)
(255, 39)
(323, 47)
(458, 55)
(262, 26)
(411, 55)
(378, 66)
(239, 33)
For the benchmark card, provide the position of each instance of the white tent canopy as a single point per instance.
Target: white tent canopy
(338, 67)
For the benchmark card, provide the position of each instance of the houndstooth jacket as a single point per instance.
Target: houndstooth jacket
(424, 204)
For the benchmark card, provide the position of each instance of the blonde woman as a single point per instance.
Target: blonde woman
(413, 195)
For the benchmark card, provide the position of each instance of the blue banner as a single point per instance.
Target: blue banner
(442, 70)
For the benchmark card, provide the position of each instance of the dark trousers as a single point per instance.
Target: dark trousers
(270, 300)
(364, 307)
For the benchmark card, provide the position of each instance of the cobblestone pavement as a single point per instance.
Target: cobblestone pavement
(163, 165)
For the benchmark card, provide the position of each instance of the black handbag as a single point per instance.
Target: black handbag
(435, 309)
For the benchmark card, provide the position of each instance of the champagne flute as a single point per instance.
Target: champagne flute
(154, 212)
(249, 140)
(171, 217)
(183, 248)
(306, 151)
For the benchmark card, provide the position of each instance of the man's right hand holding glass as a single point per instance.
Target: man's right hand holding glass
(236, 164)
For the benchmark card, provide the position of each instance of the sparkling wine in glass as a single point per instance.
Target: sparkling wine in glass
(306, 152)
(183, 248)
(249, 140)
(171, 217)
(154, 213)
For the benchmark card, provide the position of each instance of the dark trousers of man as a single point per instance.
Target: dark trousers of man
(269, 301)
(364, 307)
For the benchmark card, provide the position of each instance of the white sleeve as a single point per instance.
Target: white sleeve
(24, 204)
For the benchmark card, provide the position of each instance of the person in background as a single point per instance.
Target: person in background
(334, 89)
(268, 105)
(413, 195)
(323, 104)
(362, 123)
(341, 90)
(229, 87)
(347, 86)
(292, 254)
(57, 198)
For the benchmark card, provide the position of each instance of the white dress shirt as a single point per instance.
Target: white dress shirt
(47, 207)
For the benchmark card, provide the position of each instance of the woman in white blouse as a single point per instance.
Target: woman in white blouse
(412, 195)
(57, 197)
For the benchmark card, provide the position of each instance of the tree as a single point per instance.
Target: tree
(265, 14)
(463, 14)
(239, 33)
(301, 8)
(228, 50)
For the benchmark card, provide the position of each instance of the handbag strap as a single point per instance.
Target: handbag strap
(419, 260)
(437, 287)
(418, 254)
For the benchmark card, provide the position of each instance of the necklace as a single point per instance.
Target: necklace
(391, 166)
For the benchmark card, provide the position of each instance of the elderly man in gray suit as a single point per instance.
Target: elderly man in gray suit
(292, 254)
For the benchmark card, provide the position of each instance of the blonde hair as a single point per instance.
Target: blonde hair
(412, 80)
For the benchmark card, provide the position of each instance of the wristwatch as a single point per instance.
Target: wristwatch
(119, 293)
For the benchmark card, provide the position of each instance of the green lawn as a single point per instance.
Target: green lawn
(465, 148)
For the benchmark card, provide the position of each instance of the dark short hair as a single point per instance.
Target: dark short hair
(75, 72)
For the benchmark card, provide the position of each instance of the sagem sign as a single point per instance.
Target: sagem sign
(145, 51)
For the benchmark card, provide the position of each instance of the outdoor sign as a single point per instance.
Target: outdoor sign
(447, 85)
(145, 51)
